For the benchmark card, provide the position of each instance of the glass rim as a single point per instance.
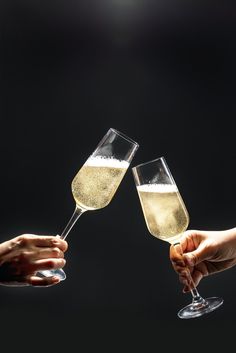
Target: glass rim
(127, 138)
(148, 162)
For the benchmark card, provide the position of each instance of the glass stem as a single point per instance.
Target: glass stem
(197, 300)
(75, 216)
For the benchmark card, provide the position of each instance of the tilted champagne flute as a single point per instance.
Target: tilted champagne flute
(167, 218)
(95, 184)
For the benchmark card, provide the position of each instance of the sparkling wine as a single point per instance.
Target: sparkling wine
(96, 182)
(164, 211)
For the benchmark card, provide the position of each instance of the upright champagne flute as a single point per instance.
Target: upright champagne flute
(95, 184)
(167, 218)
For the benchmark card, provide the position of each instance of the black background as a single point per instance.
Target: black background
(162, 72)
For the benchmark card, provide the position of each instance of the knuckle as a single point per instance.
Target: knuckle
(65, 245)
(20, 240)
(62, 262)
(56, 252)
(24, 239)
(53, 241)
(62, 244)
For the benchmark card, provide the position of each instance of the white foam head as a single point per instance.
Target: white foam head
(161, 188)
(100, 161)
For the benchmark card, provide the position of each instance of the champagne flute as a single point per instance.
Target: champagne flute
(95, 184)
(167, 218)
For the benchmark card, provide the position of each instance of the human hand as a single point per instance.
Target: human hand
(204, 253)
(23, 256)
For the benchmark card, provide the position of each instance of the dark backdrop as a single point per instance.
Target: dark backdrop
(163, 73)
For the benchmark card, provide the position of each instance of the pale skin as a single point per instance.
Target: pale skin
(23, 256)
(204, 253)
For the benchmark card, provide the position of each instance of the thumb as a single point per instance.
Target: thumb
(195, 257)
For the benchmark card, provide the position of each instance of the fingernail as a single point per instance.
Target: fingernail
(55, 279)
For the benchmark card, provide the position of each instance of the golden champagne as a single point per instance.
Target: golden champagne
(164, 211)
(96, 182)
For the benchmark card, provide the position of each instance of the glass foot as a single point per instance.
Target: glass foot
(195, 310)
(58, 272)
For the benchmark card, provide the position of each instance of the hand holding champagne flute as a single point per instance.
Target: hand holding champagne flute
(97, 181)
(167, 218)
